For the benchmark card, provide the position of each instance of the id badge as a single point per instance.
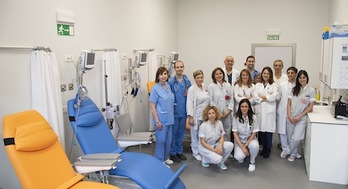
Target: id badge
(185, 93)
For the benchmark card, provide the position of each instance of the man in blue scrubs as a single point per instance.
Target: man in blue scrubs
(179, 84)
(250, 65)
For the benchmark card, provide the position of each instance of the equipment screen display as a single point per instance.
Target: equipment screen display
(176, 57)
(90, 58)
(143, 57)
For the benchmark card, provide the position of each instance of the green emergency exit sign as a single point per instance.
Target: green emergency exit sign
(272, 37)
(64, 29)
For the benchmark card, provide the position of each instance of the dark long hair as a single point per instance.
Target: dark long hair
(239, 114)
(296, 90)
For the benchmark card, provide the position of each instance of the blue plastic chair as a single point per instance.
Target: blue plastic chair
(94, 136)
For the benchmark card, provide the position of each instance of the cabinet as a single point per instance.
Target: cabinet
(326, 152)
(334, 63)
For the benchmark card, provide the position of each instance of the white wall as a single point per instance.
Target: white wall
(120, 24)
(210, 30)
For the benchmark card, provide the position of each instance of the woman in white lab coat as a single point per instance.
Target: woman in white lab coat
(221, 96)
(301, 101)
(278, 75)
(284, 90)
(197, 100)
(244, 89)
(265, 95)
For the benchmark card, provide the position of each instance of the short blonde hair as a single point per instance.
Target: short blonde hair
(197, 72)
(206, 110)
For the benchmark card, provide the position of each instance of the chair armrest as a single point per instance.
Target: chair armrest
(100, 156)
(88, 166)
(175, 176)
(72, 181)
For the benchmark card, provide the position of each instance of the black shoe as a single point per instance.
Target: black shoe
(182, 157)
(262, 153)
(175, 159)
(266, 153)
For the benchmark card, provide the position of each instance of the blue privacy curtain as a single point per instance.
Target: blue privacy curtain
(46, 94)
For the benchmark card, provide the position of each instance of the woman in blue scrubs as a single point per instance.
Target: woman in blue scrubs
(162, 109)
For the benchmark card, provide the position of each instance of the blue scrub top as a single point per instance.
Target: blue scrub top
(164, 101)
(180, 94)
(255, 72)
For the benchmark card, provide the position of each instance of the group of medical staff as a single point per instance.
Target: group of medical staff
(235, 116)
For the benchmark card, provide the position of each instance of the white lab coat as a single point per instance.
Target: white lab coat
(217, 95)
(235, 75)
(282, 79)
(197, 101)
(266, 111)
(241, 92)
(221, 96)
(284, 90)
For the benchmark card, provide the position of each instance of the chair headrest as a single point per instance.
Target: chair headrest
(34, 136)
(89, 116)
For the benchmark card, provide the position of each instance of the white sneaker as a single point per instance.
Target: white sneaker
(284, 154)
(251, 167)
(291, 158)
(198, 157)
(168, 162)
(230, 156)
(222, 166)
(204, 164)
(298, 156)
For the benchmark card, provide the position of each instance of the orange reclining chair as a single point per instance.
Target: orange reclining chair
(37, 156)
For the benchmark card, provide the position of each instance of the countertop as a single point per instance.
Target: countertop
(322, 114)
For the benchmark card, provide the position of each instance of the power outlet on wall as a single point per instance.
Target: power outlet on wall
(71, 86)
(63, 87)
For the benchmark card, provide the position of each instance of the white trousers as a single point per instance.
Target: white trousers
(214, 158)
(195, 138)
(296, 133)
(283, 138)
(253, 150)
(227, 123)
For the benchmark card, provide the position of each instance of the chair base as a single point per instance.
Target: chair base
(122, 182)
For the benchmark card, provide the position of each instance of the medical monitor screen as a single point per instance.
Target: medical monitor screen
(90, 58)
(143, 57)
(176, 57)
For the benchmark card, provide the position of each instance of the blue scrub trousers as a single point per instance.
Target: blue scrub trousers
(178, 135)
(163, 142)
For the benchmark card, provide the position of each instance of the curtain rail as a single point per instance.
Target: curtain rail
(25, 48)
(104, 49)
(148, 50)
